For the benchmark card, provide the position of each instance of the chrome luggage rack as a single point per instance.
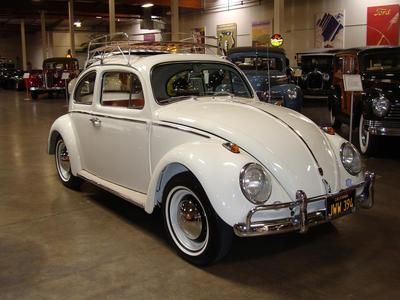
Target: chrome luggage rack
(128, 45)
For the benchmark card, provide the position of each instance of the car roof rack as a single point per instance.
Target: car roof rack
(128, 45)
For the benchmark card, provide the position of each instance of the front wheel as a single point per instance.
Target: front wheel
(368, 142)
(192, 226)
(63, 166)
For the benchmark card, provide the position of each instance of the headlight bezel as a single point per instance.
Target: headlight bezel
(264, 194)
(292, 93)
(354, 166)
(380, 106)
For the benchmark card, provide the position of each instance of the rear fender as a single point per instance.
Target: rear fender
(63, 128)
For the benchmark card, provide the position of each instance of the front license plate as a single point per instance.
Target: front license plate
(341, 204)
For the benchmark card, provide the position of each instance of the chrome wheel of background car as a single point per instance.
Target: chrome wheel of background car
(63, 165)
(367, 141)
(187, 220)
(194, 229)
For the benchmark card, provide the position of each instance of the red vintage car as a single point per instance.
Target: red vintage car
(56, 71)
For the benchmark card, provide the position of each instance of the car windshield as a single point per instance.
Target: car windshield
(384, 61)
(259, 63)
(182, 80)
(321, 63)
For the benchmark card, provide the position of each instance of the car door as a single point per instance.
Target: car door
(120, 129)
(81, 109)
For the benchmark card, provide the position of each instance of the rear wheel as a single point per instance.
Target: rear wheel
(192, 226)
(63, 166)
(34, 95)
(368, 142)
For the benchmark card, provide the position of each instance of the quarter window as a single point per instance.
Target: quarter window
(84, 90)
(122, 89)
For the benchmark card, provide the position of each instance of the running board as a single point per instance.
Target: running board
(134, 197)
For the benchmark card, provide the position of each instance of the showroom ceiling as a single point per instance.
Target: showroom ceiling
(92, 13)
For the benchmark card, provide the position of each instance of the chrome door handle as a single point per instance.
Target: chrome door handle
(96, 122)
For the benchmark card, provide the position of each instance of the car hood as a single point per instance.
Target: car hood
(388, 83)
(287, 143)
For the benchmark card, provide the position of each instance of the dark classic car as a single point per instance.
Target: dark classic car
(377, 108)
(316, 77)
(268, 72)
(56, 71)
(6, 70)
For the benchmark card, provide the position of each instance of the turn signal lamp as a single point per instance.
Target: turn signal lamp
(234, 148)
(328, 130)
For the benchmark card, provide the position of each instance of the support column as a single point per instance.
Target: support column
(111, 12)
(71, 26)
(23, 45)
(279, 16)
(175, 20)
(44, 37)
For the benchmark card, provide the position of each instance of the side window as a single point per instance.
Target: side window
(122, 89)
(85, 88)
(349, 65)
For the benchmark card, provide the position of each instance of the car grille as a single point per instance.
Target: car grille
(314, 81)
(391, 120)
(49, 81)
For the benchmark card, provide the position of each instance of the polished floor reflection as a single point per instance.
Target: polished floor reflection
(56, 243)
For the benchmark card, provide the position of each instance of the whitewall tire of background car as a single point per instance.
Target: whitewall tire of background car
(368, 142)
(63, 166)
(191, 224)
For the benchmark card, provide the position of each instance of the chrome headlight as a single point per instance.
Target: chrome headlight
(255, 183)
(380, 106)
(292, 93)
(350, 158)
(325, 76)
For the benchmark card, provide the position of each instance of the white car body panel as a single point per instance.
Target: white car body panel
(128, 153)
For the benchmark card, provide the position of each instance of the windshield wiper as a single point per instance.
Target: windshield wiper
(223, 93)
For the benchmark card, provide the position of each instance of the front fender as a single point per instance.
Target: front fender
(62, 127)
(218, 171)
(296, 103)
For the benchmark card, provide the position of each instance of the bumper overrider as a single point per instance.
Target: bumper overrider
(303, 220)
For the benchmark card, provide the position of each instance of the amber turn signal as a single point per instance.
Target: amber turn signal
(232, 147)
(328, 130)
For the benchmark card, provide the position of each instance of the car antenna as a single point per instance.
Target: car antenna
(269, 77)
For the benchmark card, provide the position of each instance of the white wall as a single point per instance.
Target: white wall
(299, 21)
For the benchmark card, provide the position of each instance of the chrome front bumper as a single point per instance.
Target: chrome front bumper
(302, 221)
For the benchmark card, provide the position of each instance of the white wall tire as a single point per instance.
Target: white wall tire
(191, 224)
(63, 166)
(367, 142)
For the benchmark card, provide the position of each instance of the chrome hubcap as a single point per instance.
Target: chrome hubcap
(189, 219)
(63, 163)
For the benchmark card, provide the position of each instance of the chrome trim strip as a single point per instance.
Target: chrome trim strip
(181, 128)
(108, 116)
(291, 128)
(304, 219)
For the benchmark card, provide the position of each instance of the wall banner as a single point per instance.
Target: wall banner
(261, 33)
(383, 25)
(329, 30)
(226, 37)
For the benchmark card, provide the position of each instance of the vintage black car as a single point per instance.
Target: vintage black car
(317, 70)
(377, 108)
(268, 72)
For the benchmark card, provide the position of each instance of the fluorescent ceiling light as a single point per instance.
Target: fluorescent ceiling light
(148, 5)
(99, 17)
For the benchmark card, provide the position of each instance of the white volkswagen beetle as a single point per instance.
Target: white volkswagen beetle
(186, 132)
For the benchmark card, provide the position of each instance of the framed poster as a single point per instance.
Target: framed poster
(329, 30)
(261, 33)
(383, 25)
(199, 35)
(226, 37)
